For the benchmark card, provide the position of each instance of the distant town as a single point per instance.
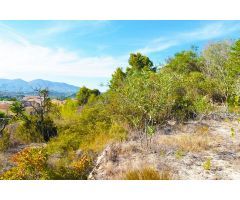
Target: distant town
(27, 102)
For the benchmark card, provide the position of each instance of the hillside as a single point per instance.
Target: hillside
(180, 121)
(208, 151)
(21, 87)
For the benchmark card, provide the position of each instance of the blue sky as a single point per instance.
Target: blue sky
(87, 52)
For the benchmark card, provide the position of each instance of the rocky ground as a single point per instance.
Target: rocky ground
(209, 149)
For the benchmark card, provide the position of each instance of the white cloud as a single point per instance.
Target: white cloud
(6, 32)
(80, 27)
(207, 32)
(21, 59)
(158, 45)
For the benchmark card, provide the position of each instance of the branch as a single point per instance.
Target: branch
(3, 125)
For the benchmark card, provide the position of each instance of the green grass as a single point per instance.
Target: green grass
(207, 164)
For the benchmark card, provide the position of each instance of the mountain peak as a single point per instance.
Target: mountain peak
(20, 86)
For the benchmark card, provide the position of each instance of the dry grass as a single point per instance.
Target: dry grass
(124, 150)
(1, 161)
(198, 141)
(98, 143)
(148, 174)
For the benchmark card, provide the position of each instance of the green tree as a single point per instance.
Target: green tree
(39, 119)
(85, 93)
(139, 62)
(215, 60)
(233, 68)
(184, 62)
(234, 60)
(147, 98)
(18, 109)
(117, 80)
(215, 57)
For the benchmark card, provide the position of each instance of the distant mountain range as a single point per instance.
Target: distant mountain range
(18, 87)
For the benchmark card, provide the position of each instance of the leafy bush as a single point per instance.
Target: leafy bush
(84, 94)
(31, 164)
(149, 97)
(5, 141)
(139, 62)
(91, 128)
(64, 143)
(40, 118)
(118, 132)
(26, 133)
(207, 164)
(140, 98)
(88, 129)
(78, 169)
(184, 62)
(2, 114)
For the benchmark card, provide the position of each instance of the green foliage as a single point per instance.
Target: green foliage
(4, 121)
(233, 133)
(184, 62)
(233, 68)
(90, 129)
(27, 133)
(39, 121)
(219, 67)
(118, 132)
(71, 167)
(139, 62)
(207, 164)
(179, 154)
(151, 130)
(157, 97)
(117, 80)
(85, 93)
(141, 98)
(33, 164)
(31, 130)
(64, 143)
(68, 111)
(6, 98)
(2, 114)
(234, 60)
(17, 108)
(4, 141)
(215, 56)
(81, 129)
(234, 104)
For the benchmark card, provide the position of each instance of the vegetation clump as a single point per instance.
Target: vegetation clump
(207, 164)
(148, 174)
(38, 125)
(32, 164)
